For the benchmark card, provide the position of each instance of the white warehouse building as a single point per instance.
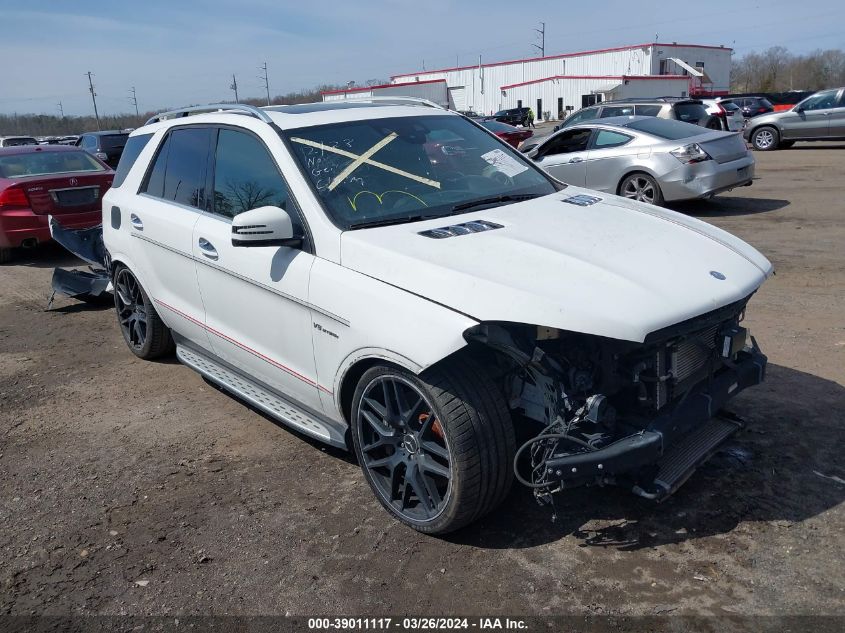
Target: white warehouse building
(557, 84)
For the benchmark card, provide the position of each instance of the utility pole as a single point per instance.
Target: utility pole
(135, 102)
(234, 86)
(542, 46)
(266, 82)
(61, 109)
(93, 98)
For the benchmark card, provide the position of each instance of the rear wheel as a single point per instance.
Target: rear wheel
(437, 448)
(765, 138)
(714, 123)
(641, 187)
(143, 330)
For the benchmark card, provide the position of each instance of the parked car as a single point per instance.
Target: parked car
(68, 140)
(472, 114)
(646, 158)
(513, 116)
(321, 268)
(508, 133)
(40, 180)
(107, 146)
(15, 141)
(687, 110)
(750, 106)
(819, 117)
(727, 113)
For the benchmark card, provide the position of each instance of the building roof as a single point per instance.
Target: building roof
(562, 55)
(366, 88)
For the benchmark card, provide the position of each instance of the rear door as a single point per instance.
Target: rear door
(837, 117)
(161, 218)
(811, 118)
(610, 155)
(565, 155)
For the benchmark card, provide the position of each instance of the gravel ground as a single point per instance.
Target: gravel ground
(132, 487)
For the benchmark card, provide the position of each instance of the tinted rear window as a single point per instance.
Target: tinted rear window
(130, 154)
(46, 162)
(666, 128)
(691, 112)
(113, 141)
(16, 142)
(648, 110)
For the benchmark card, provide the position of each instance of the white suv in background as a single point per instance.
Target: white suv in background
(389, 277)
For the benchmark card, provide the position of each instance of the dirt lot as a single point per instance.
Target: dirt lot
(131, 487)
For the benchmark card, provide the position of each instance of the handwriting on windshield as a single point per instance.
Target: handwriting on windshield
(353, 201)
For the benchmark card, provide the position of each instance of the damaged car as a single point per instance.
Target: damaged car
(457, 323)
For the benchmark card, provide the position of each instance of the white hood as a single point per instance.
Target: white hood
(617, 268)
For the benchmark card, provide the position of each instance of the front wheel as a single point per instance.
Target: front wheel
(641, 187)
(765, 139)
(437, 448)
(143, 330)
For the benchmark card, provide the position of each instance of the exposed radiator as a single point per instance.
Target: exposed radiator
(692, 354)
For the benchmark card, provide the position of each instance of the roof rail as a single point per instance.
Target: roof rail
(397, 100)
(240, 108)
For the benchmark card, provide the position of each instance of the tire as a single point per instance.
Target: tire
(714, 123)
(765, 138)
(6, 255)
(786, 144)
(642, 187)
(145, 333)
(462, 415)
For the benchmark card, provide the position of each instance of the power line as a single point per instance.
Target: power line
(542, 46)
(266, 82)
(93, 98)
(135, 101)
(61, 109)
(234, 86)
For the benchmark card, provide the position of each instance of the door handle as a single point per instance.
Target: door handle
(577, 159)
(207, 248)
(136, 222)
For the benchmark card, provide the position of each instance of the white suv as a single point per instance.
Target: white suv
(390, 277)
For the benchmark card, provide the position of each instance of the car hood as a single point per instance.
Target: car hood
(616, 268)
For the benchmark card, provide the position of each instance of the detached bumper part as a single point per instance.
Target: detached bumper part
(81, 284)
(676, 442)
(87, 244)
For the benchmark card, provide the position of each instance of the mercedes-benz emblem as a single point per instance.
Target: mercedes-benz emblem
(717, 275)
(73, 182)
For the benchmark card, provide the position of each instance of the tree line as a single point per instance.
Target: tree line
(778, 70)
(53, 125)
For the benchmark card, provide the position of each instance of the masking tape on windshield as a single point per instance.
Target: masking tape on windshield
(364, 159)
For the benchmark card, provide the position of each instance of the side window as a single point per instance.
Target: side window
(246, 176)
(820, 101)
(583, 115)
(568, 142)
(155, 178)
(184, 180)
(609, 111)
(89, 142)
(134, 146)
(648, 110)
(606, 138)
(842, 100)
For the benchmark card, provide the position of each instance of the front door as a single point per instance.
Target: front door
(255, 297)
(812, 120)
(162, 219)
(564, 155)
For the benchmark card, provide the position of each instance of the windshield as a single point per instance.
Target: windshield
(666, 128)
(113, 141)
(46, 162)
(403, 169)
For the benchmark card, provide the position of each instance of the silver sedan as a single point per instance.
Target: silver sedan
(646, 158)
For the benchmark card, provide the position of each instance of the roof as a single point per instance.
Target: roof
(104, 133)
(600, 77)
(368, 88)
(563, 55)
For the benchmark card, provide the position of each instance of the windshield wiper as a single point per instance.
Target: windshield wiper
(389, 221)
(496, 200)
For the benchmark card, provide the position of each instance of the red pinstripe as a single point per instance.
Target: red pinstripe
(245, 347)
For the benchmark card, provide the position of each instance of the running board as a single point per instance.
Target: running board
(262, 398)
(685, 456)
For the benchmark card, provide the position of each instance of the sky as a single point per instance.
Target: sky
(181, 52)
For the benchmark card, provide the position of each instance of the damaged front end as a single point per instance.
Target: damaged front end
(641, 415)
(93, 284)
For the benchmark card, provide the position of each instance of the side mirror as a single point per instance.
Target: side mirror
(264, 226)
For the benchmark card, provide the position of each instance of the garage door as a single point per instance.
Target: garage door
(458, 98)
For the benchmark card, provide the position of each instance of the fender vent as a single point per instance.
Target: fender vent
(476, 226)
(582, 200)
